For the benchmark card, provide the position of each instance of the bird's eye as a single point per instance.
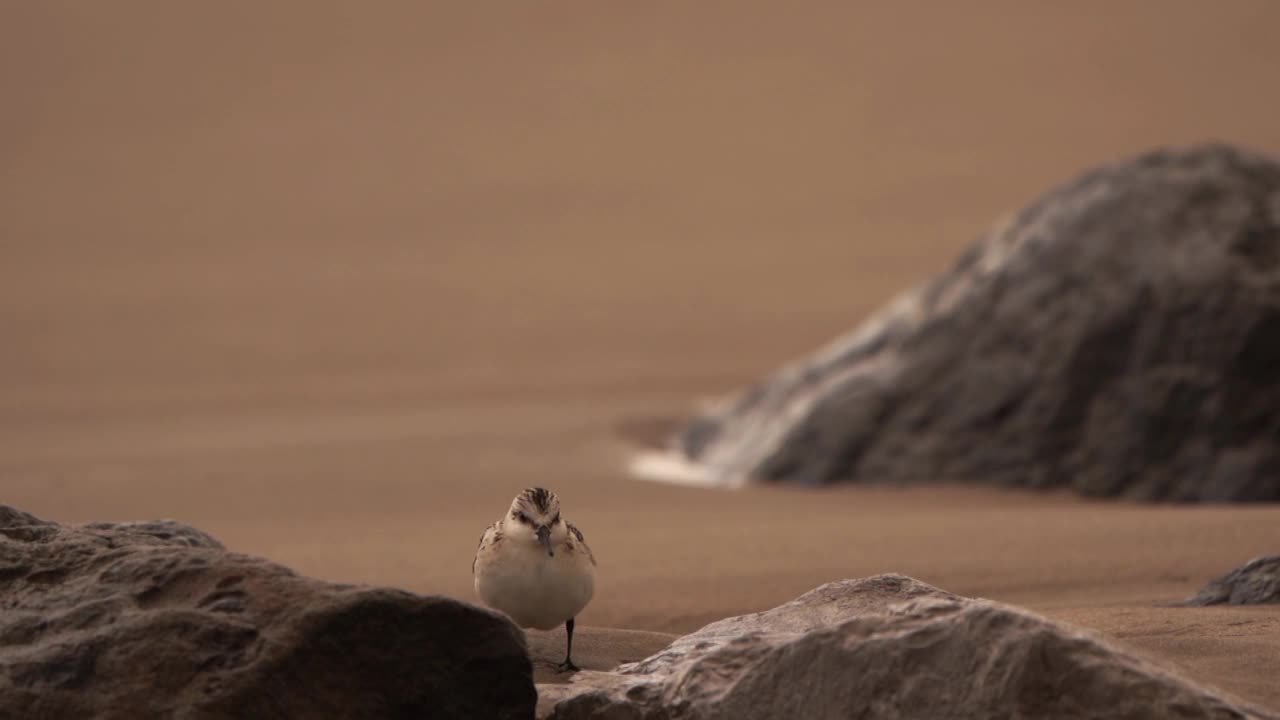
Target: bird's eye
(555, 519)
(521, 517)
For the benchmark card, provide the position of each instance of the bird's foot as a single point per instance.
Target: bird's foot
(567, 666)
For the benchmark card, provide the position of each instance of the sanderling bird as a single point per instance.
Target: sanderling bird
(535, 567)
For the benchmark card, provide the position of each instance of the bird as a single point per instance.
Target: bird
(536, 567)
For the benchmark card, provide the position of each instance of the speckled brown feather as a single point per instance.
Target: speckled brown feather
(538, 501)
(496, 528)
(574, 532)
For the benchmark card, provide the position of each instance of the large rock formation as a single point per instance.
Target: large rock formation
(1256, 582)
(886, 647)
(157, 620)
(1120, 336)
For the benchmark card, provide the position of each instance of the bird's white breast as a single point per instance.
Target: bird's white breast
(536, 590)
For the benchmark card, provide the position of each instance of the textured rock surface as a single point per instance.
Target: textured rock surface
(1121, 335)
(1256, 582)
(886, 647)
(157, 620)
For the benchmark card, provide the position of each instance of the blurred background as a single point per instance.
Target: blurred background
(334, 281)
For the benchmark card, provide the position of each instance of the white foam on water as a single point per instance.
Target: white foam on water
(676, 469)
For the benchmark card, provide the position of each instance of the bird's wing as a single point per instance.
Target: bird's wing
(490, 535)
(582, 541)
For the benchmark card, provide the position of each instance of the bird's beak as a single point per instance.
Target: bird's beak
(544, 537)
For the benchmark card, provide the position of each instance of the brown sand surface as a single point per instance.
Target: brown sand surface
(334, 281)
(593, 649)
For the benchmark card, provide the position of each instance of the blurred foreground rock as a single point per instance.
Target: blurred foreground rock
(1121, 336)
(1257, 582)
(886, 647)
(157, 620)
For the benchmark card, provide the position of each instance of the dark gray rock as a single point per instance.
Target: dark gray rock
(156, 620)
(1120, 336)
(1257, 582)
(886, 647)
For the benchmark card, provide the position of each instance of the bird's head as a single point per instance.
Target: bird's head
(535, 516)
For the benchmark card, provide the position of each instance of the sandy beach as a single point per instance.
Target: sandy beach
(334, 284)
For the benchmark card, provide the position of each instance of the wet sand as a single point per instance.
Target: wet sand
(334, 285)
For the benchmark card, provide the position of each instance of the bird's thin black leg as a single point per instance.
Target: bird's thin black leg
(567, 665)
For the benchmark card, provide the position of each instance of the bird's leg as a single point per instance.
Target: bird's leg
(567, 665)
